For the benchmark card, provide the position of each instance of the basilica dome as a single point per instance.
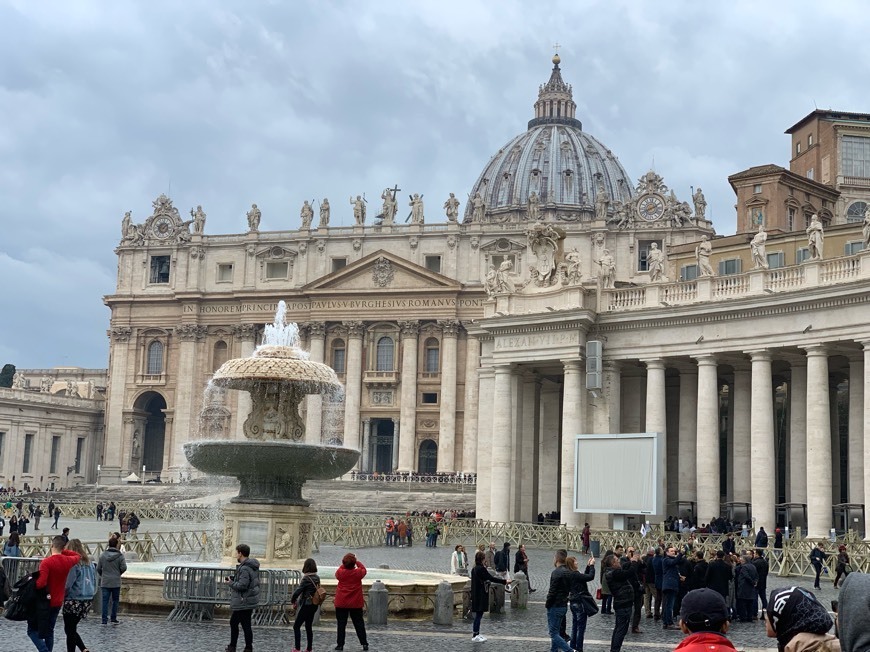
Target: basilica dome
(555, 159)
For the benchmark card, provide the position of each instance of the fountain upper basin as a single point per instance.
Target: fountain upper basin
(285, 365)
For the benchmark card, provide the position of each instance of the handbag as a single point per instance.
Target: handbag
(598, 593)
(589, 605)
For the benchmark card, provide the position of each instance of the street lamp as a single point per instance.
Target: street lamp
(143, 474)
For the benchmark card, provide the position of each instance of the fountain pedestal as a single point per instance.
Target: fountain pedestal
(280, 536)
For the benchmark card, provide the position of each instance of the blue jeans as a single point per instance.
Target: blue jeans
(475, 628)
(578, 626)
(115, 594)
(554, 624)
(45, 644)
(669, 599)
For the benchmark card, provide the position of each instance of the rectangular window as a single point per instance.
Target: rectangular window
(776, 260)
(756, 188)
(225, 273)
(854, 247)
(643, 247)
(730, 266)
(811, 173)
(797, 149)
(855, 155)
(792, 212)
(338, 360)
(433, 264)
(276, 270)
(338, 263)
(809, 141)
(55, 451)
(430, 398)
(432, 359)
(80, 448)
(802, 254)
(160, 267)
(28, 450)
(688, 272)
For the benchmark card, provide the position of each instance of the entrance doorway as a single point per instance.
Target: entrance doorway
(153, 404)
(382, 445)
(427, 459)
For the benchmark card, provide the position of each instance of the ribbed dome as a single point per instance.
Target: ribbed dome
(555, 159)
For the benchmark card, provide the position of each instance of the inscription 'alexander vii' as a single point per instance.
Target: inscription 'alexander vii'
(537, 341)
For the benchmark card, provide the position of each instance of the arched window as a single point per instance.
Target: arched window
(432, 349)
(384, 360)
(155, 358)
(220, 355)
(855, 212)
(339, 356)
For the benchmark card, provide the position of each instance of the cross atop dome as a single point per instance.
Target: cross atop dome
(555, 99)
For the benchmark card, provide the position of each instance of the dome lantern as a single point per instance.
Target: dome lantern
(555, 103)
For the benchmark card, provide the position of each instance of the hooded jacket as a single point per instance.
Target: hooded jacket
(854, 613)
(110, 567)
(705, 642)
(245, 586)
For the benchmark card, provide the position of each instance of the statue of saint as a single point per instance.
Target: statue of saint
(45, 385)
(254, 216)
(504, 281)
(573, 260)
(702, 254)
(608, 269)
(656, 263)
(136, 446)
(543, 241)
(359, 210)
(416, 205)
(198, 220)
(758, 248)
(388, 210)
(700, 204)
(19, 381)
(816, 238)
(534, 202)
(866, 228)
(307, 215)
(602, 201)
(72, 388)
(477, 208)
(324, 213)
(451, 206)
(125, 225)
(489, 283)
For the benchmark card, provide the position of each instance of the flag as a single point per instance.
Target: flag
(644, 530)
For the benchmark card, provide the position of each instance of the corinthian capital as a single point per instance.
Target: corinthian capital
(245, 331)
(449, 327)
(354, 328)
(409, 328)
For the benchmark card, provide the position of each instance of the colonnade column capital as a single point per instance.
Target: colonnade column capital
(572, 365)
(820, 349)
(760, 355)
(449, 327)
(655, 363)
(409, 328)
(705, 360)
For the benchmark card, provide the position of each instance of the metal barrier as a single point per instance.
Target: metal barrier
(17, 567)
(200, 545)
(197, 590)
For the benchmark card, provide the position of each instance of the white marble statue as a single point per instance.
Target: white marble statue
(388, 210)
(816, 238)
(702, 253)
(477, 208)
(136, 446)
(254, 216)
(416, 205)
(758, 248)
(359, 210)
(534, 207)
(866, 228)
(451, 206)
(45, 384)
(700, 204)
(324, 213)
(602, 201)
(125, 225)
(656, 263)
(504, 281)
(543, 241)
(306, 215)
(72, 388)
(19, 381)
(607, 271)
(198, 216)
(489, 283)
(574, 275)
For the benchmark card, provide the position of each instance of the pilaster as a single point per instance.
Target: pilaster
(447, 399)
(408, 423)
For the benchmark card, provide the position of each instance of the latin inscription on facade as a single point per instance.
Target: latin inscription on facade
(537, 341)
(336, 304)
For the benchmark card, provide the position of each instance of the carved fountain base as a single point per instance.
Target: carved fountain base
(280, 535)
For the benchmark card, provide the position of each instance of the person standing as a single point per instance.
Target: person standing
(53, 571)
(459, 561)
(490, 555)
(244, 597)
(305, 608)
(670, 585)
(502, 561)
(651, 600)
(777, 542)
(578, 596)
(633, 565)
(37, 516)
(110, 567)
(729, 547)
(81, 585)
(619, 581)
(746, 581)
(12, 547)
(586, 537)
(349, 600)
(763, 568)
(557, 601)
(521, 563)
(843, 565)
(761, 538)
(56, 515)
(480, 575)
(817, 559)
(658, 573)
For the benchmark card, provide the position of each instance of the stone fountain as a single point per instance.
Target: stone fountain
(272, 464)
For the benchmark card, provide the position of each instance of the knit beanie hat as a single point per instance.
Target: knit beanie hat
(794, 610)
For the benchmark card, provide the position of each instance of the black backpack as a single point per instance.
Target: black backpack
(21, 605)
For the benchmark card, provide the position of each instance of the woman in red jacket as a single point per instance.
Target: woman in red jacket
(349, 599)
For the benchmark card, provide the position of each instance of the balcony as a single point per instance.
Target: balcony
(381, 378)
(860, 182)
(150, 379)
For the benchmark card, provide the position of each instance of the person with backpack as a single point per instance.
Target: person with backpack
(304, 601)
(12, 548)
(81, 586)
(110, 567)
(53, 571)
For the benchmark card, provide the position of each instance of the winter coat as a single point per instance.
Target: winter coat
(579, 588)
(110, 567)
(620, 587)
(480, 575)
(671, 572)
(658, 571)
(307, 586)
(806, 642)
(842, 561)
(705, 642)
(560, 587)
(245, 586)
(698, 579)
(719, 576)
(854, 616)
(763, 569)
(11, 551)
(746, 579)
(349, 593)
(729, 547)
(649, 573)
(761, 539)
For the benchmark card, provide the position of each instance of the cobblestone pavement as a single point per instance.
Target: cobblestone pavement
(514, 631)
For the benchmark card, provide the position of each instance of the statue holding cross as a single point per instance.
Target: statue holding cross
(388, 212)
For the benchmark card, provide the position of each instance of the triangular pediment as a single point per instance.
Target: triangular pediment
(382, 271)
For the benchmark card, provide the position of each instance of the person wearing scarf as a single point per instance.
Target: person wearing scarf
(799, 622)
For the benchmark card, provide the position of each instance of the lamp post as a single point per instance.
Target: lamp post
(143, 474)
(96, 486)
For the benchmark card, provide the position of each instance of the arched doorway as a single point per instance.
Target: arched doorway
(427, 459)
(152, 405)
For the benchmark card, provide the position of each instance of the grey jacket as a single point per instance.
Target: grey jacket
(110, 567)
(245, 586)
(854, 617)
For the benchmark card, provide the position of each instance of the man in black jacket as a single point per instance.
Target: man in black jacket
(557, 601)
(728, 545)
(763, 569)
(719, 575)
(632, 563)
(817, 559)
(699, 572)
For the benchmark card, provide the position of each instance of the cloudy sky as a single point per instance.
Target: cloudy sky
(106, 104)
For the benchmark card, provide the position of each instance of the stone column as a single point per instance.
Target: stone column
(707, 453)
(502, 431)
(247, 336)
(866, 430)
(548, 455)
(690, 435)
(365, 448)
(612, 382)
(742, 398)
(353, 383)
(447, 400)
(762, 452)
(397, 437)
(408, 422)
(469, 433)
(484, 444)
(797, 450)
(186, 416)
(834, 412)
(529, 434)
(314, 402)
(856, 428)
(656, 410)
(818, 442)
(573, 402)
(113, 463)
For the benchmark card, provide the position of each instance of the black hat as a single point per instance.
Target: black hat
(704, 610)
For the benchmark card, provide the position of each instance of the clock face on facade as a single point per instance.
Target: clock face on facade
(162, 228)
(651, 207)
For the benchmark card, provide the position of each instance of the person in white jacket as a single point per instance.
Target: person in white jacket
(459, 561)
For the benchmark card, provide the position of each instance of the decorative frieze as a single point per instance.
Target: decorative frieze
(382, 273)
(191, 332)
(381, 397)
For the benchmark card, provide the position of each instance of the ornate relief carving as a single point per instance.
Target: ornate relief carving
(357, 244)
(449, 327)
(451, 241)
(354, 328)
(413, 241)
(245, 331)
(251, 249)
(409, 328)
(197, 252)
(316, 328)
(381, 397)
(191, 332)
(382, 273)
(304, 549)
(121, 334)
(283, 542)
(428, 424)
(321, 246)
(303, 248)
(475, 242)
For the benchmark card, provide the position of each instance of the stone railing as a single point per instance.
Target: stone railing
(422, 478)
(145, 510)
